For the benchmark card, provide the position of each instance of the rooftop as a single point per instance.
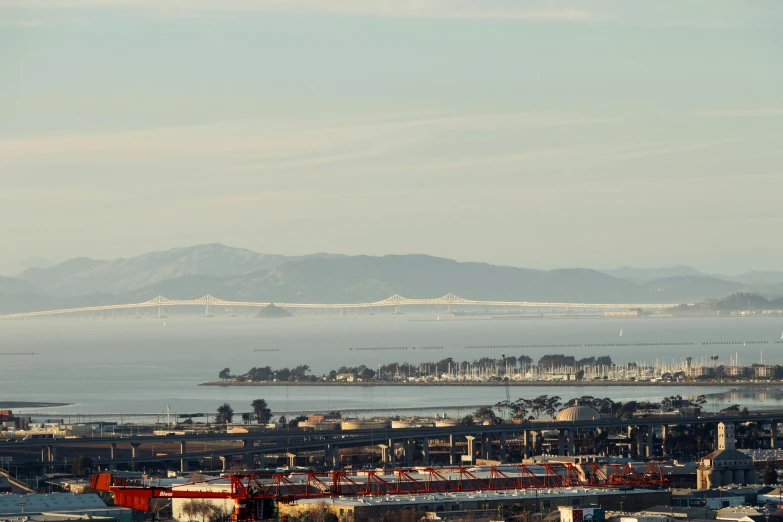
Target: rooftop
(513, 494)
(727, 454)
(41, 503)
(53, 517)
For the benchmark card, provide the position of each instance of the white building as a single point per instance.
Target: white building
(60, 504)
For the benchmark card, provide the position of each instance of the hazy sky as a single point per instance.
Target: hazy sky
(539, 134)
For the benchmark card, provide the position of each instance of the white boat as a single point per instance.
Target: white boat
(438, 317)
(621, 332)
(164, 324)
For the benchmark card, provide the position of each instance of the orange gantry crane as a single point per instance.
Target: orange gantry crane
(253, 494)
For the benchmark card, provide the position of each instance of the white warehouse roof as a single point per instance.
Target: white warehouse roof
(39, 503)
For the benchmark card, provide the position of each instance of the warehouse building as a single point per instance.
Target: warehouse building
(544, 501)
(60, 506)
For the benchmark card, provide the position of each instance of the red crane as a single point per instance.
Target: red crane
(251, 492)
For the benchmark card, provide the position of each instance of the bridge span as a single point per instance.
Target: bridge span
(396, 301)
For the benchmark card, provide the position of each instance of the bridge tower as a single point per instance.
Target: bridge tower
(138, 315)
(160, 311)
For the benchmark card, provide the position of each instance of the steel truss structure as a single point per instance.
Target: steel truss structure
(244, 489)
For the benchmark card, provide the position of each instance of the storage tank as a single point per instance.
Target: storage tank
(364, 425)
(713, 478)
(402, 424)
(316, 425)
(727, 477)
(446, 423)
(739, 476)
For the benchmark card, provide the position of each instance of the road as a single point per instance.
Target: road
(293, 439)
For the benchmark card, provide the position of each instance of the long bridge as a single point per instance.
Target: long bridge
(396, 301)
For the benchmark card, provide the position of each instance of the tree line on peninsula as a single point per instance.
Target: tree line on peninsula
(492, 368)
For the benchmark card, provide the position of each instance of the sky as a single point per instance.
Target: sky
(538, 134)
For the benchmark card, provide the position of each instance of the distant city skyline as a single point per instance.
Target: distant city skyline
(545, 134)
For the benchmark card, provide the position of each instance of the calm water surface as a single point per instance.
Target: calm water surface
(133, 366)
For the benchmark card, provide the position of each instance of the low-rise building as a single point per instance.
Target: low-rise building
(582, 513)
(738, 371)
(740, 514)
(62, 505)
(764, 371)
(700, 371)
(543, 501)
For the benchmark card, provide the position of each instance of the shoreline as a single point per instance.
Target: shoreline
(32, 404)
(586, 384)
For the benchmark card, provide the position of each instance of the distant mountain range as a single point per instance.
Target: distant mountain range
(645, 275)
(84, 276)
(239, 274)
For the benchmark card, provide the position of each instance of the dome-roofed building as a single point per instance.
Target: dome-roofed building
(578, 413)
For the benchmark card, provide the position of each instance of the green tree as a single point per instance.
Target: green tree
(467, 420)
(486, 413)
(82, 465)
(293, 423)
(261, 411)
(520, 408)
(224, 374)
(225, 413)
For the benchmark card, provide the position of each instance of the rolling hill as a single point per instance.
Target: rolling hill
(84, 276)
(242, 275)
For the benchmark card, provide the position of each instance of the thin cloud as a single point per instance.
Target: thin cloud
(445, 9)
(22, 23)
(267, 198)
(302, 145)
(740, 113)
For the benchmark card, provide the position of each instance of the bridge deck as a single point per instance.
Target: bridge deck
(393, 301)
